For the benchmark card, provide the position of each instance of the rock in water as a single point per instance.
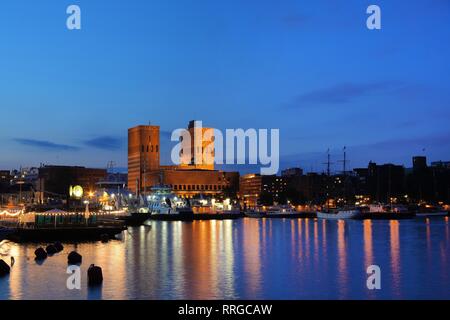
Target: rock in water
(95, 275)
(4, 268)
(59, 247)
(74, 258)
(40, 254)
(51, 249)
(104, 238)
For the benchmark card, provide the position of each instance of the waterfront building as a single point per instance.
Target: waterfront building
(188, 179)
(441, 164)
(256, 189)
(419, 163)
(311, 187)
(429, 183)
(5, 176)
(189, 183)
(143, 157)
(381, 183)
(55, 181)
(193, 155)
(5, 180)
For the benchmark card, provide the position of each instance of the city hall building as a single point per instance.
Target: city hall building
(187, 179)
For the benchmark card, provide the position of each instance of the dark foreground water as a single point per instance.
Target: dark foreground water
(248, 259)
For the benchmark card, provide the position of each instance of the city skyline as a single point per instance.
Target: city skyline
(69, 96)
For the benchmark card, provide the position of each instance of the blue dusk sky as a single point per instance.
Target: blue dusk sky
(310, 68)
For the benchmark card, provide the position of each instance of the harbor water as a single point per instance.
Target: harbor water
(247, 259)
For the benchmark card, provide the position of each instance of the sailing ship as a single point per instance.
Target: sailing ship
(345, 212)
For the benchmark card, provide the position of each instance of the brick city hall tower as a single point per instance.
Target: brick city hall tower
(143, 157)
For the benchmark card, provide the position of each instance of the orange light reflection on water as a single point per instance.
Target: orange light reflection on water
(342, 259)
(394, 227)
(368, 246)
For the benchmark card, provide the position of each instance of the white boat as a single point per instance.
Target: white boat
(165, 205)
(339, 214)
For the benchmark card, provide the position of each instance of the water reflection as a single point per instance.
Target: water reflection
(342, 259)
(247, 259)
(252, 256)
(368, 247)
(395, 255)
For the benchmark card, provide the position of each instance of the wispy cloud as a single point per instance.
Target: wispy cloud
(441, 140)
(104, 143)
(344, 93)
(45, 145)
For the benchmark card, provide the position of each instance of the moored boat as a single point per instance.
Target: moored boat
(386, 212)
(166, 206)
(338, 214)
(280, 212)
(429, 211)
(61, 225)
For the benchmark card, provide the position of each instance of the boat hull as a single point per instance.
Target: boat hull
(281, 215)
(431, 214)
(341, 215)
(135, 219)
(218, 216)
(179, 216)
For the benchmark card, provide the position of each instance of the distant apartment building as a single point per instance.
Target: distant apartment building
(256, 189)
(114, 182)
(187, 179)
(292, 172)
(381, 182)
(419, 163)
(429, 183)
(5, 181)
(441, 164)
(307, 188)
(5, 177)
